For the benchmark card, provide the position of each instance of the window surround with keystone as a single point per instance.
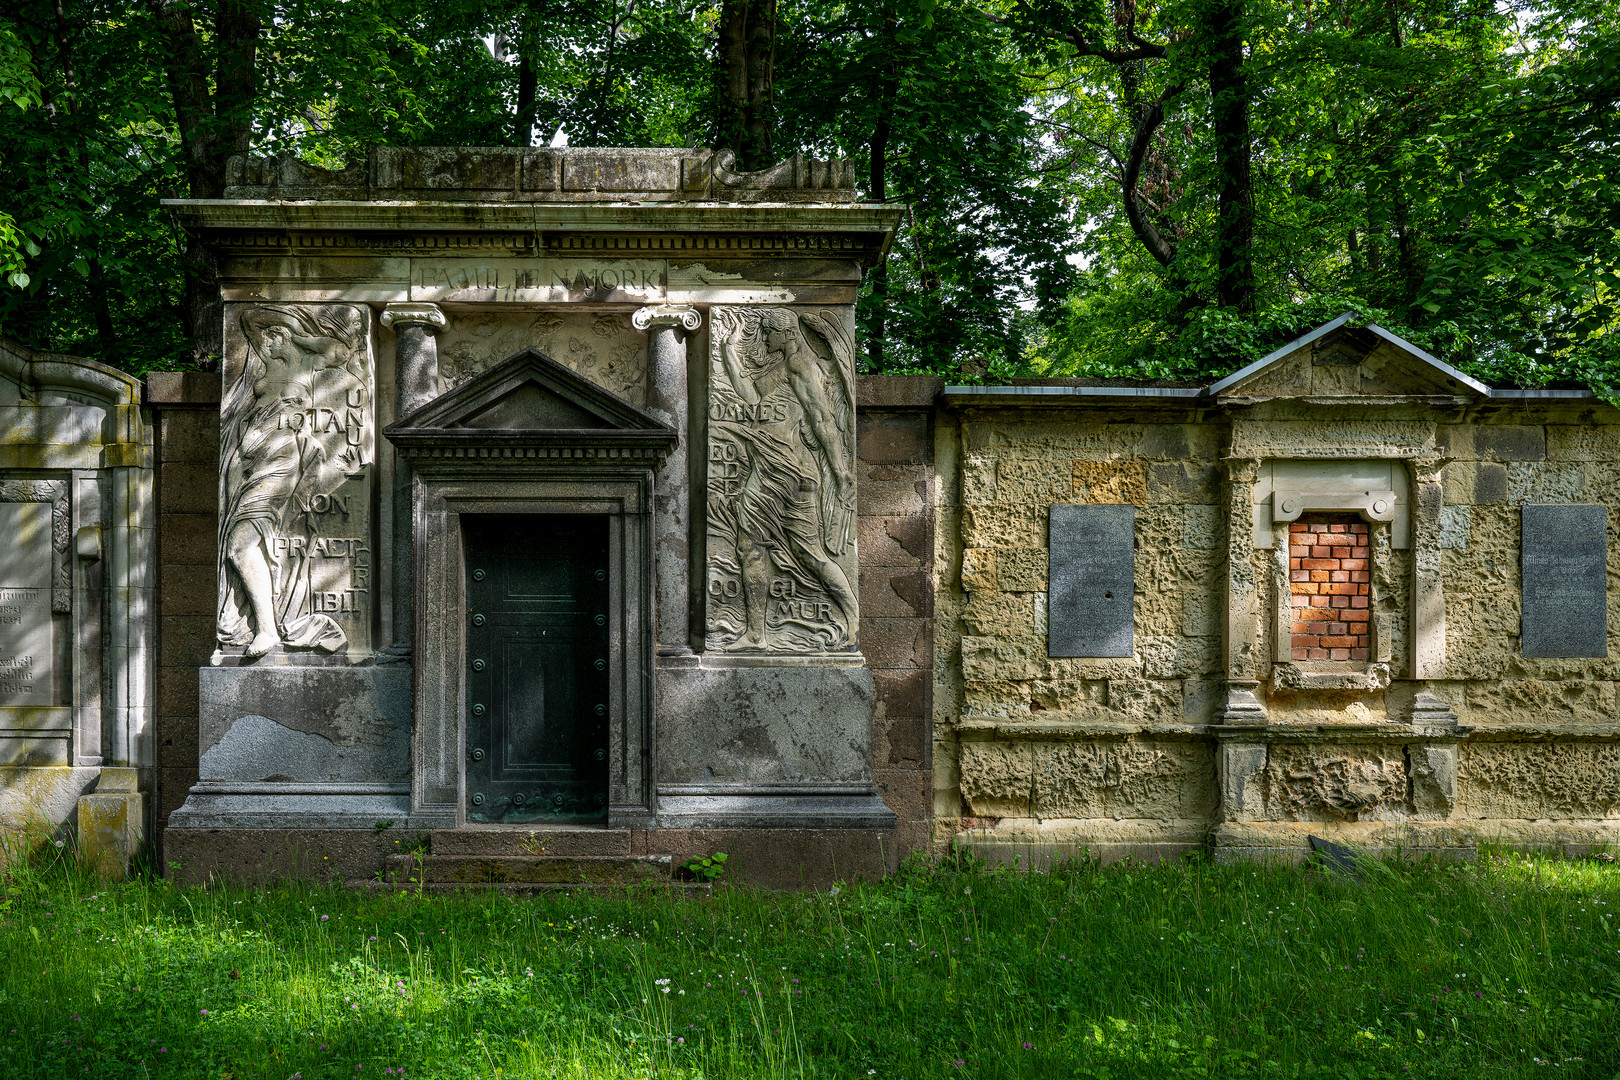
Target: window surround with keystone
(1375, 491)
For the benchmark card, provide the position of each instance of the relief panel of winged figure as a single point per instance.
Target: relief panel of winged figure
(781, 568)
(295, 449)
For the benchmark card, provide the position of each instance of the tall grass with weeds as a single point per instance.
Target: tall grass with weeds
(1508, 968)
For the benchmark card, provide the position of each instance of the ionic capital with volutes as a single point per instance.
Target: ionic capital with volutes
(667, 316)
(428, 316)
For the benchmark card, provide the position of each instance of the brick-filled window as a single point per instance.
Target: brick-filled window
(1329, 565)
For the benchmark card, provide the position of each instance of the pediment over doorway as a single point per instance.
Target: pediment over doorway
(530, 402)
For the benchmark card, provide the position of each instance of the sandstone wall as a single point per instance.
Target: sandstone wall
(1038, 756)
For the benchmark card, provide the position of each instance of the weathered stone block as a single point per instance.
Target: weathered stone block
(186, 487)
(1124, 779)
(189, 538)
(1539, 780)
(1183, 482)
(1339, 782)
(891, 490)
(318, 725)
(764, 725)
(1110, 482)
(894, 438)
(897, 643)
(110, 824)
(988, 659)
(1510, 443)
(1004, 526)
(901, 741)
(188, 589)
(890, 591)
(906, 791)
(997, 779)
(188, 435)
(979, 569)
(1021, 569)
(185, 640)
(896, 541)
(904, 693)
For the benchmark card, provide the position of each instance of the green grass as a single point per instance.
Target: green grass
(1507, 968)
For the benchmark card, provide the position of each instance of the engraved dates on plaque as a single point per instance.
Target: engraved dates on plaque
(1565, 564)
(781, 481)
(296, 432)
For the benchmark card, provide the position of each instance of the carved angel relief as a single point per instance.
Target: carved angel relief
(781, 481)
(295, 449)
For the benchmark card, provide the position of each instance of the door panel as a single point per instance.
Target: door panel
(537, 684)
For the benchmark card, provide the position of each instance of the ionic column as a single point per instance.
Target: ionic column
(416, 382)
(667, 326)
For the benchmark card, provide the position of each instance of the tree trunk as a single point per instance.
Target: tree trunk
(747, 58)
(1229, 96)
(528, 84)
(212, 128)
(878, 191)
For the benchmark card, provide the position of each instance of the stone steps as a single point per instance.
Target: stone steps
(437, 869)
(529, 888)
(558, 841)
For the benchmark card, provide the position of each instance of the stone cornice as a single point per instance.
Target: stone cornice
(874, 219)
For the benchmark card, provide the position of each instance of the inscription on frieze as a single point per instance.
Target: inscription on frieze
(538, 280)
(780, 571)
(1564, 556)
(296, 447)
(27, 557)
(1091, 583)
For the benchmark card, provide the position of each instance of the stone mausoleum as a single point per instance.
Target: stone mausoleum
(539, 529)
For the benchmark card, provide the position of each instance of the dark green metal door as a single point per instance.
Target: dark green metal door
(537, 660)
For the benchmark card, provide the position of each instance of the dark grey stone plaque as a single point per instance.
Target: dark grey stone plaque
(1091, 580)
(1565, 559)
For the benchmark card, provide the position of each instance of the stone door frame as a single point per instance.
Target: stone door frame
(622, 492)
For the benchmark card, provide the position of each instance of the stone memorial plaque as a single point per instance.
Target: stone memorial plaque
(25, 604)
(1565, 560)
(1091, 580)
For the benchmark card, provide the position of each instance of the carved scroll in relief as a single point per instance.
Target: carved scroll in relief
(296, 437)
(781, 481)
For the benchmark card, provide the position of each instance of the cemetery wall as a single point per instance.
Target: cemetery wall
(1447, 731)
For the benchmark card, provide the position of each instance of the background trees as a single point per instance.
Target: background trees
(1142, 187)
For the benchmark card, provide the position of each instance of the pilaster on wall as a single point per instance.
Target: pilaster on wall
(1428, 596)
(894, 485)
(185, 417)
(1241, 639)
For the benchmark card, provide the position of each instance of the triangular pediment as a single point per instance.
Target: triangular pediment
(530, 399)
(1343, 360)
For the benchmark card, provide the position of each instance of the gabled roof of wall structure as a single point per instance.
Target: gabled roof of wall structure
(1372, 360)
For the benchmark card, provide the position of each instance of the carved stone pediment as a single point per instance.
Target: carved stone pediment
(530, 406)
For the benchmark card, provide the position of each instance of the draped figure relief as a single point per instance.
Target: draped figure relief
(295, 445)
(781, 481)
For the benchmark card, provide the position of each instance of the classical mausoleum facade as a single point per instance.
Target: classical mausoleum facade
(539, 528)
